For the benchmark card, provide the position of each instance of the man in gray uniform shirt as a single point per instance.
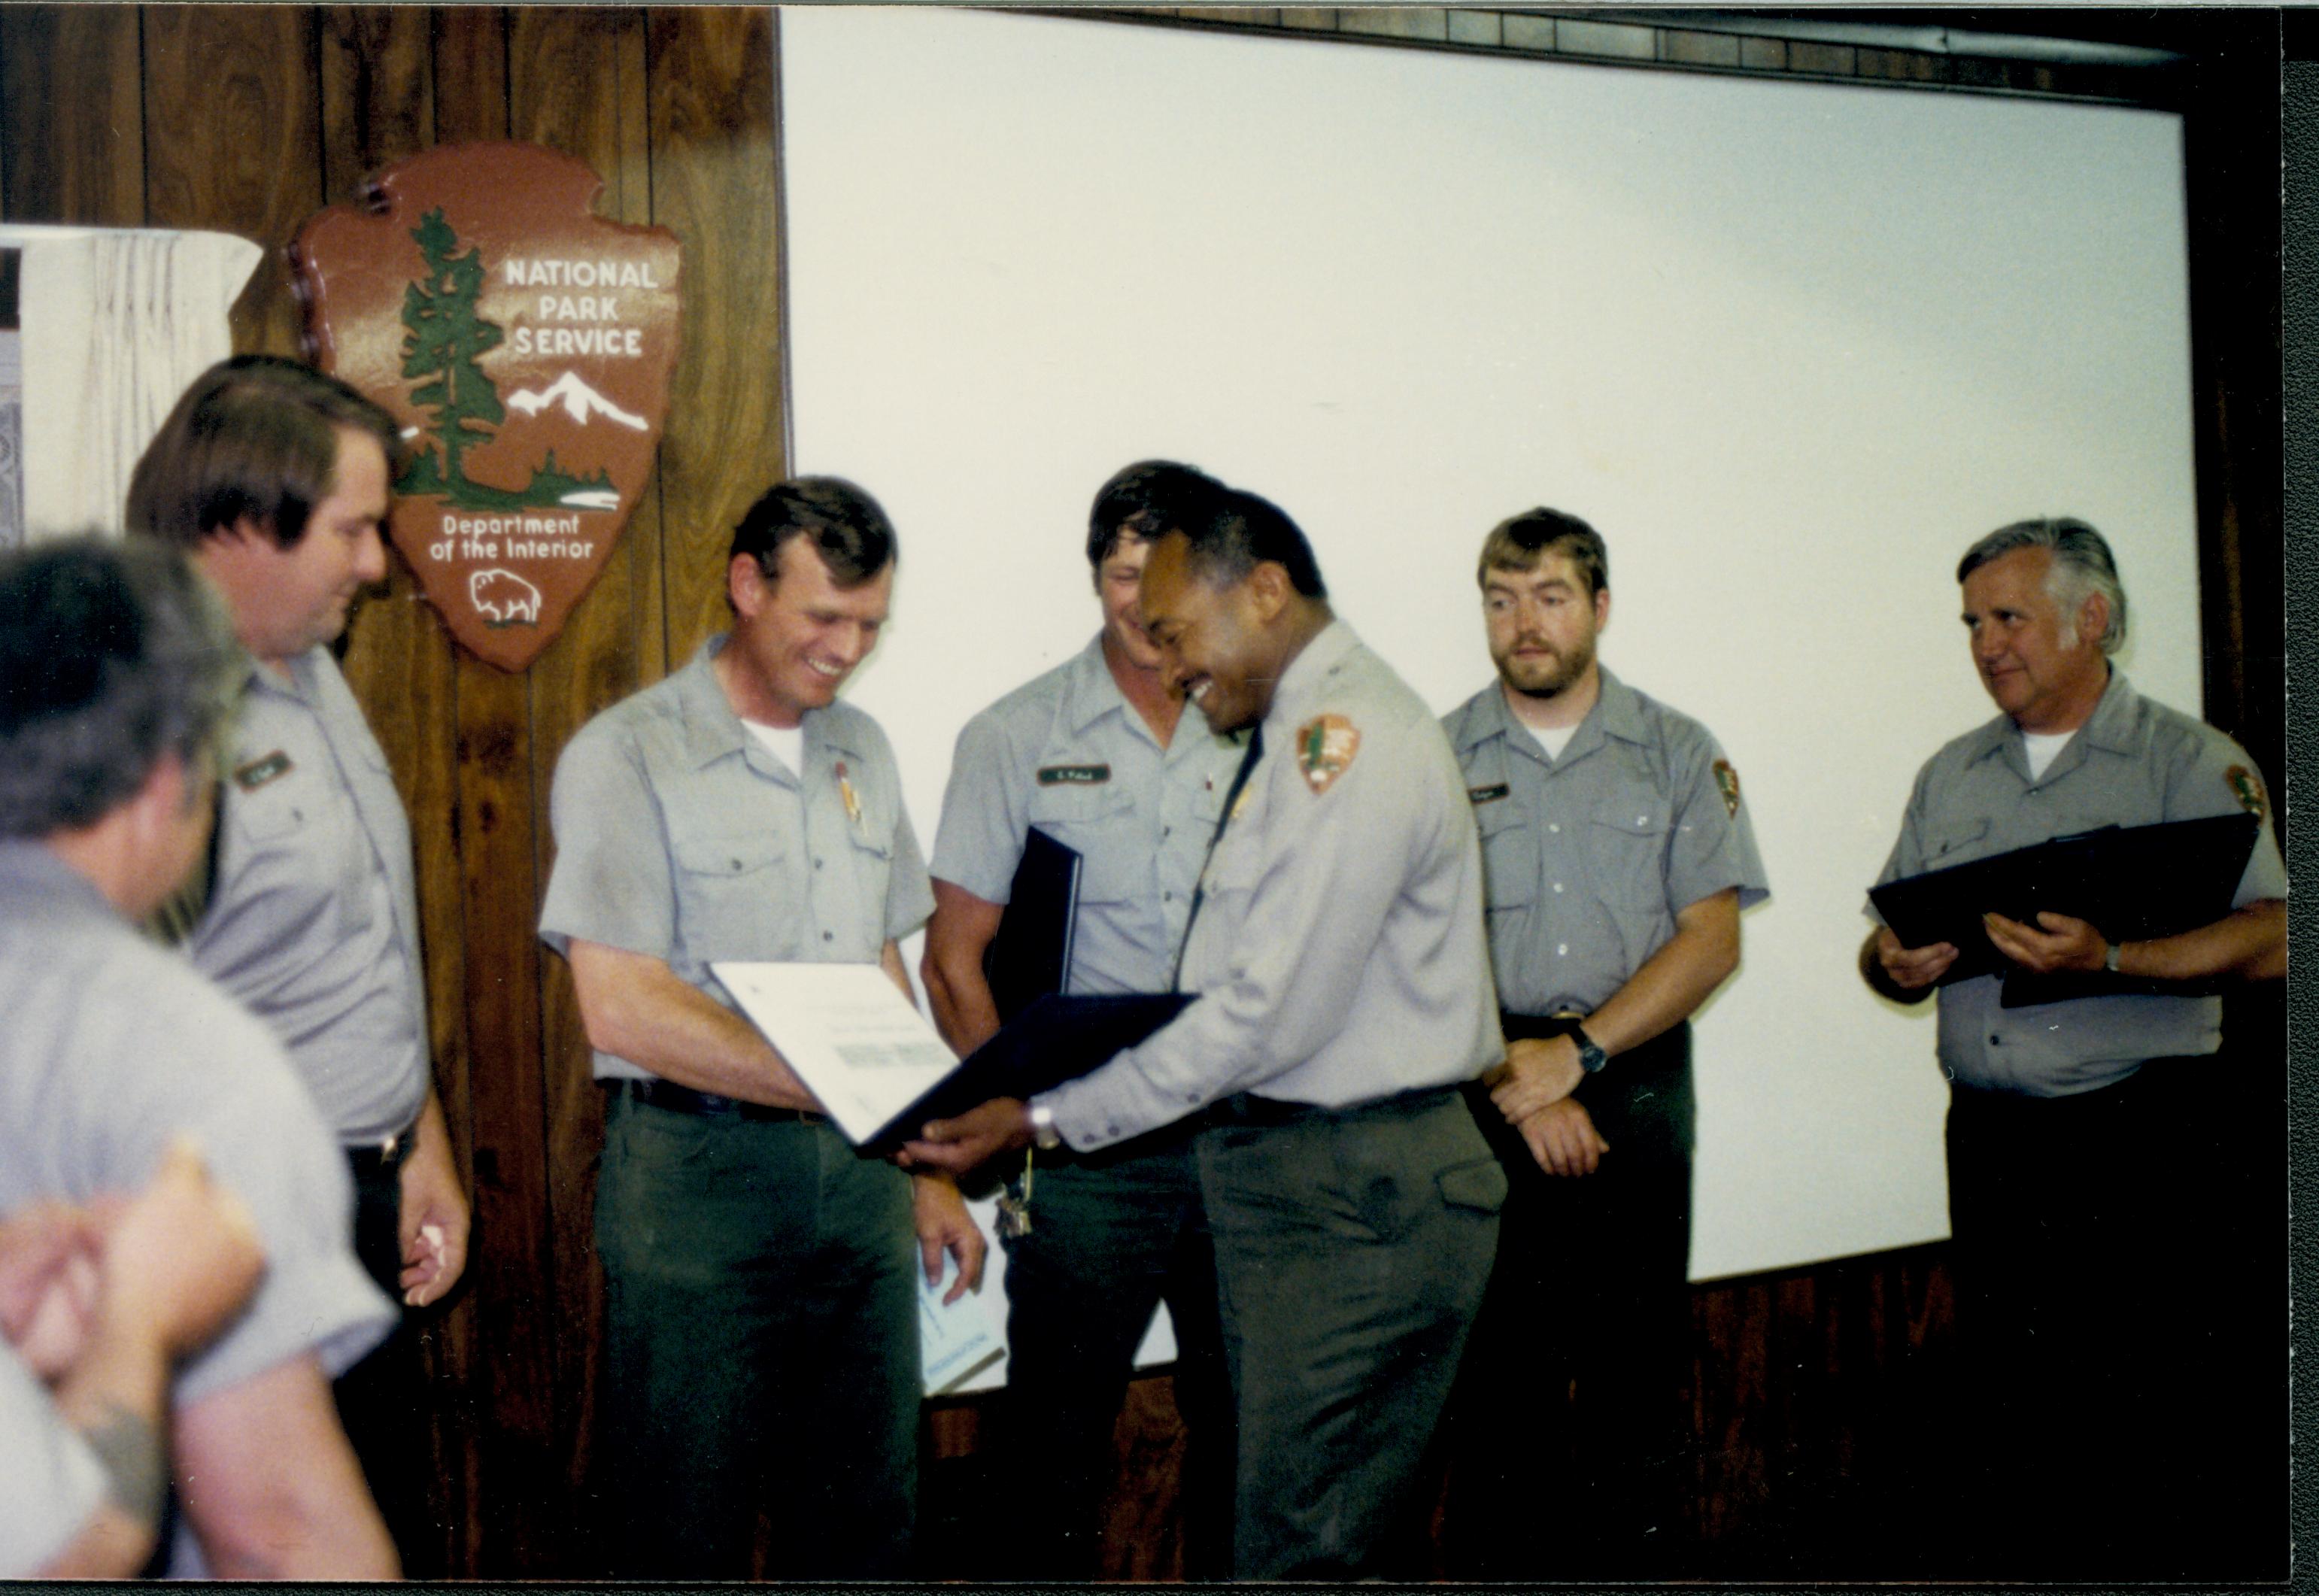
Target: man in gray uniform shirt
(761, 1313)
(1618, 859)
(2077, 1197)
(275, 478)
(117, 672)
(1095, 753)
(1344, 993)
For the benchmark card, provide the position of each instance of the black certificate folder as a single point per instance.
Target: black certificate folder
(2130, 882)
(1031, 956)
(1056, 1039)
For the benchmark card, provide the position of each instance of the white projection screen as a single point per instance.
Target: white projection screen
(1790, 346)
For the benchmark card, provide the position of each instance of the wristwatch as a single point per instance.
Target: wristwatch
(1591, 1056)
(1042, 1128)
(2109, 959)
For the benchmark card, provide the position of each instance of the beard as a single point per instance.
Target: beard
(1545, 678)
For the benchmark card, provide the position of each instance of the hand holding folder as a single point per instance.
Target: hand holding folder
(2130, 883)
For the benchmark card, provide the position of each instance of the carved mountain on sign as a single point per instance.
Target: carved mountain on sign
(580, 401)
(526, 347)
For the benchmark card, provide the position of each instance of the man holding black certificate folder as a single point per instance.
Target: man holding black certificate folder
(2075, 1188)
(1343, 992)
(1097, 754)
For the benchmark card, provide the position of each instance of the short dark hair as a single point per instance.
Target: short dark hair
(2082, 566)
(255, 438)
(1519, 542)
(113, 654)
(1138, 500)
(848, 530)
(1231, 531)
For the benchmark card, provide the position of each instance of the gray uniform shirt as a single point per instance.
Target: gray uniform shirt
(49, 1480)
(1588, 856)
(1067, 754)
(2133, 762)
(112, 1046)
(313, 921)
(1338, 953)
(681, 836)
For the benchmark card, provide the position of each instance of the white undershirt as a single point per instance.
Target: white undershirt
(2042, 746)
(1553, 739)
(785, 744)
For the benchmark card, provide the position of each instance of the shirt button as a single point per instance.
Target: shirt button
(1167, 898)
(828, 937)
(817, 864)
(1562, 950)
(1553, 825)
(1557, 886)
(1167, 831)
(1997, 1042)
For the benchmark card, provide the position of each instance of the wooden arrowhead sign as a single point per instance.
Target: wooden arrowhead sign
(524, 345)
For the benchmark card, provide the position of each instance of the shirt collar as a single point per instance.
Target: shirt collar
(47, 877)
(300, 685)
(2109, 727)
(1090, 691)
(713, 732)
(1618, 712)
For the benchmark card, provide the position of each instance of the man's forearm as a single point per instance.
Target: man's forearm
(271, 1488)
(635, 1007)
(1675, 980)
(2250, 943)
(114, 1395)
(958, 992)
(964, 1011)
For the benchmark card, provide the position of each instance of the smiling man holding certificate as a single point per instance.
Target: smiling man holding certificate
(759, 1312)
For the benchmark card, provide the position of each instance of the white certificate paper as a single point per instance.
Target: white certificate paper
(847, 1031)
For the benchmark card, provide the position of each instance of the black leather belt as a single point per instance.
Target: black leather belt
(1246, 1108)
(668, 1095)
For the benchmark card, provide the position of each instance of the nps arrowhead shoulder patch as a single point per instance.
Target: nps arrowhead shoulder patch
(2247, 787)
(1727, 782)
(1325, 746)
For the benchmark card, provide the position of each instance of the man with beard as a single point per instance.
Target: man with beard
(1097, 754)
(1618, 859)
(1342, 995)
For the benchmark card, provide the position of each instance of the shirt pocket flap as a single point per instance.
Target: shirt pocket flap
(267, 813)
(1065, 806)
(1963, 836)
(731, 856)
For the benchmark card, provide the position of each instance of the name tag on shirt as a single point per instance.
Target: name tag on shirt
(1073, 775)
(1487, 795)
(258, 772)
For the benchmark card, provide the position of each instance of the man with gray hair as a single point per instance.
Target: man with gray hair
(117, 674)
(2071, 1200)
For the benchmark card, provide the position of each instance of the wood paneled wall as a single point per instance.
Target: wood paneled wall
(248, 118)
